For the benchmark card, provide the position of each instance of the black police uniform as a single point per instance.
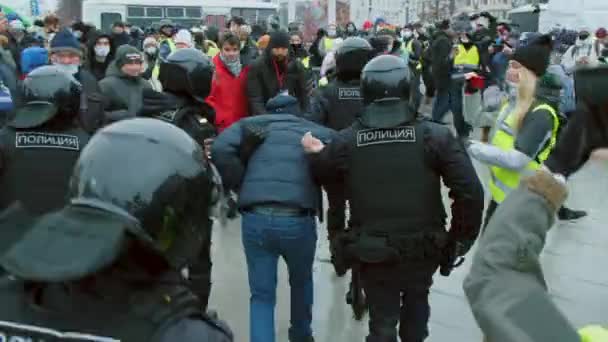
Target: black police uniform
(392, 164)
(107, 267)
(39, 147)
(186, 79)
(336, 106)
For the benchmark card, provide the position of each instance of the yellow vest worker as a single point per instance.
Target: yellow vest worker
(504, 180)
(328, 43)
(172, 49)
(593, 333)
(467, 58)
(409, 48)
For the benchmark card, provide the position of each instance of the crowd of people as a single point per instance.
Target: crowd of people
(118, 149)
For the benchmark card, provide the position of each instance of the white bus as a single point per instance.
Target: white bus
(143, 13)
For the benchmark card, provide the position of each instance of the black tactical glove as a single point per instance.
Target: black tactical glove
(453, 255)
(154, 103)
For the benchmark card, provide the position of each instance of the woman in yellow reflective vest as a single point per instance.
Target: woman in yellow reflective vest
(526, 130)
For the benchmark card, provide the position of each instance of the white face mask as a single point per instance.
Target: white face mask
(78, 34)
(151, 50)
(331, 33)
(102, 51)
(406, 34)
(70, 69)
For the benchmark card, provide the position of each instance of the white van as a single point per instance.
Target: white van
(143, 13)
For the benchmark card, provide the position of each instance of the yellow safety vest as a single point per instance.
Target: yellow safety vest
(468, 58)
(306, 62)
(410, 49)
(502, 181)
(328, 43)
(172, 48)
(593, 333)
(212, 48)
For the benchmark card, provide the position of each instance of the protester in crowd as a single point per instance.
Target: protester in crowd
(51, 26)
(239, 27)
(274, 73)
(101, 53)
(202, 43)
(316, 59)
(582, 54)
(183, 39)
(84, 33)
(119, 36)
(328, 67)
(601, 41)
(442, 63)
(123, 85)
(150, 50)
(297, 50)
(279, 205)
(8, 68)
(33, 57)
(165, 41)
(17, 35)
(351, 30)
(65, 52)
(229, 87)
(525, 133)
(327, 42)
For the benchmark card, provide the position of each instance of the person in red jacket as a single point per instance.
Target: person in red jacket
(229, 87)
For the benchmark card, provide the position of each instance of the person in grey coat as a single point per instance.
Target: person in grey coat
(123, 85)
(262, 160)
(506, 287)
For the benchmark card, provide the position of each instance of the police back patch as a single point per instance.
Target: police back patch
(10, 331)
(349, 94)
(403, 134)
(47, 140)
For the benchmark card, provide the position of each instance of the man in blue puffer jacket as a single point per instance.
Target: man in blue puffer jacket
(261, 159)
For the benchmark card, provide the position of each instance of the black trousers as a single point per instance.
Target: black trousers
(398, 294)
(336, 213)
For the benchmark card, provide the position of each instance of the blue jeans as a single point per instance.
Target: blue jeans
(451, 99)
(265, 238)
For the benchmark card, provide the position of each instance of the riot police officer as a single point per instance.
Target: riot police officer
(108, 266)
(336, 106)
(392, 164)
(186, 80)
(39, 147)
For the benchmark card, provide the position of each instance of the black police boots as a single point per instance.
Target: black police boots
(567, 214)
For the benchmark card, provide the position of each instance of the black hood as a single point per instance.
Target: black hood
(91, 47)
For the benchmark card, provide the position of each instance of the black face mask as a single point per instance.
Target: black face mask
(583, 36)
(296, 47)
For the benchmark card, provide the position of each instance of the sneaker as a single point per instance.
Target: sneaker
(567, 214)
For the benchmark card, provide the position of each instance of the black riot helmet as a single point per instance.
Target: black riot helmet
(351, 57)
(385, 78)
(187, 72)
(140, 195)
(49, 93)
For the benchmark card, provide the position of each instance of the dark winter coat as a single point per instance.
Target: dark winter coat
(263, 83)
(123, 92)
(277, 171)
(99, 69)
(441, 63)
(249, 53)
